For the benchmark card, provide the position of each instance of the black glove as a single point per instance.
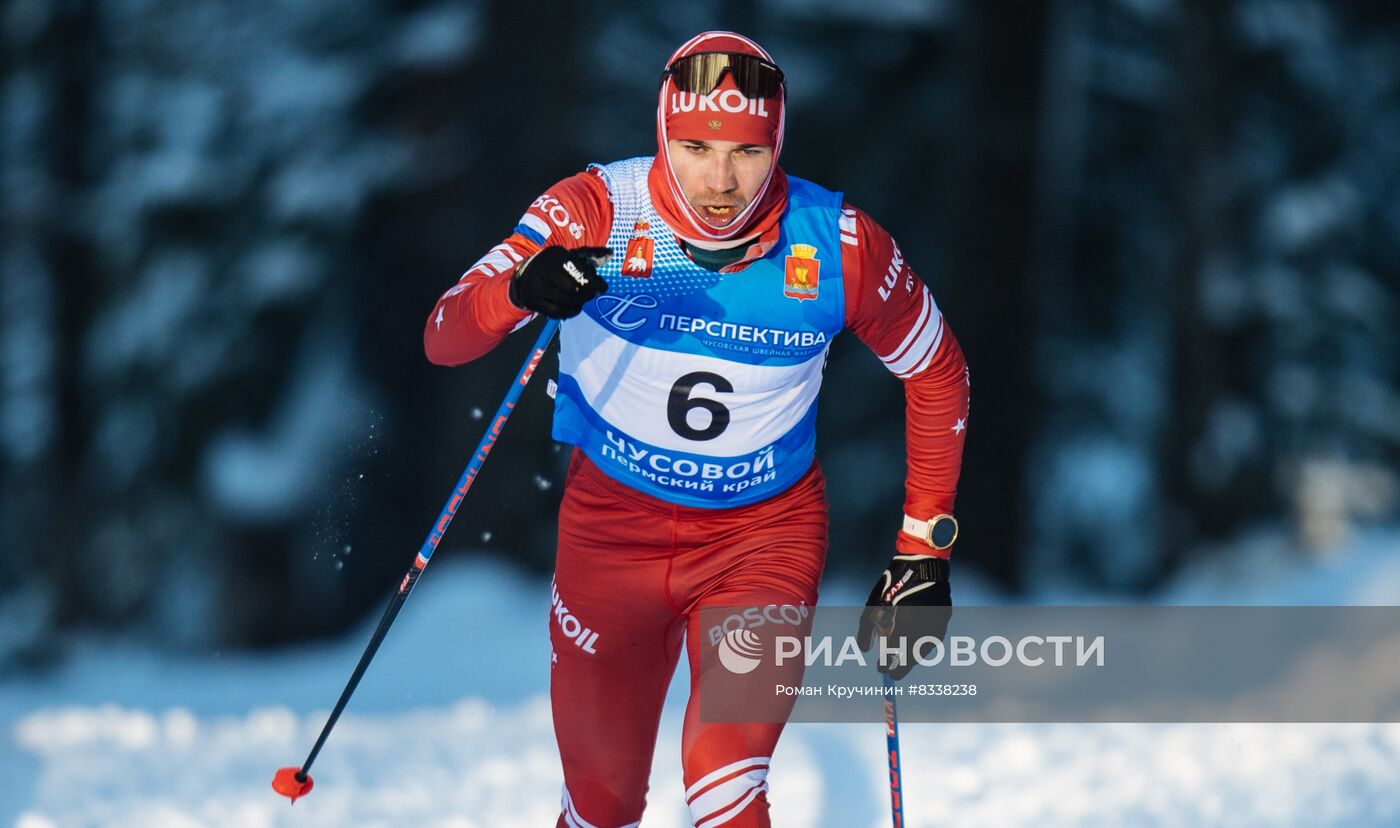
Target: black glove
(557, 281)
(911, 581)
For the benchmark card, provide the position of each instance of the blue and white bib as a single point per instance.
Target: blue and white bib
(697, 387)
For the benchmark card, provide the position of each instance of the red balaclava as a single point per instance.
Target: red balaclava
(749, 127)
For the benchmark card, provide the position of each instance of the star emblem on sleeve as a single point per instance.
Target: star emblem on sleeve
(959, 425)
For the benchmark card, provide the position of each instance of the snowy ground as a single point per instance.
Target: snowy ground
(451, 729)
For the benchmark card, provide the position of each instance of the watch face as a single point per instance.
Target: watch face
(943, 531)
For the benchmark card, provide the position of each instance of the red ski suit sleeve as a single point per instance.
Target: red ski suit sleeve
(475, 314)
(893, 313)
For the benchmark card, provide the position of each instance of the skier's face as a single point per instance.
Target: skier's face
(719, 178)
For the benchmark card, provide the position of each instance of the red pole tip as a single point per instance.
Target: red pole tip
(287, 783)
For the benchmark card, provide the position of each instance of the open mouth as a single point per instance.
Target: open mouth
(718, 215)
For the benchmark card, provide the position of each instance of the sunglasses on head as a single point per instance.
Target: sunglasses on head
(700, 73)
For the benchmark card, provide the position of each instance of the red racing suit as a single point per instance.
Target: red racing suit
(632, 569)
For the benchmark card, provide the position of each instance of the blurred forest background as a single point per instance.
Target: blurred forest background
(1166, 232)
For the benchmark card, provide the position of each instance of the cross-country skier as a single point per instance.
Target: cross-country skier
(689, 364)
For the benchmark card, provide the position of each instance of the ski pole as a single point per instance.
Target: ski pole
(892, 747)
(293, 782)
(884, 624)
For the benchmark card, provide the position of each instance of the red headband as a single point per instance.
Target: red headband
(723, 115)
